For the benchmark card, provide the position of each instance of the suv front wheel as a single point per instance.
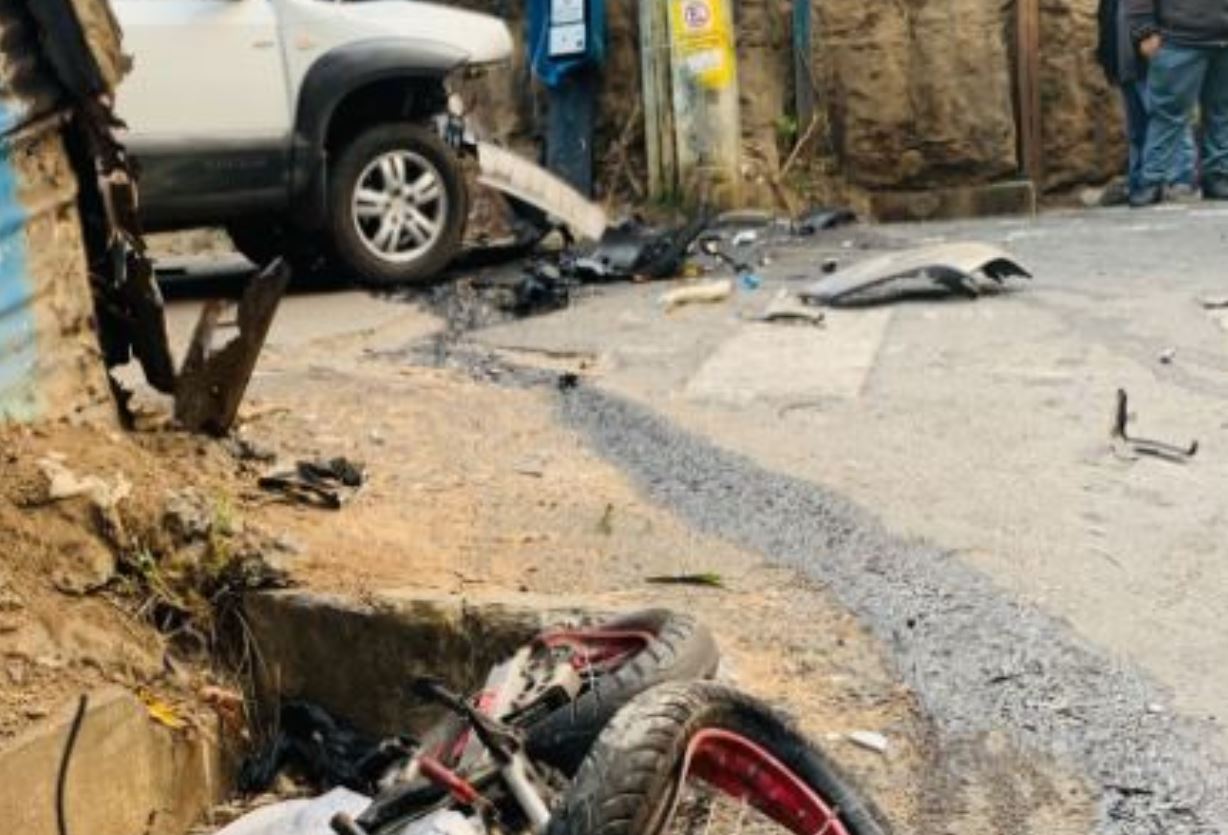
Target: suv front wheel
(397, 204)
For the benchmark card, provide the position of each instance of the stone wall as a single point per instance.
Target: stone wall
(1084, 138)
(918, 91)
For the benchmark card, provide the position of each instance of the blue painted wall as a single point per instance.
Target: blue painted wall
(18, 333)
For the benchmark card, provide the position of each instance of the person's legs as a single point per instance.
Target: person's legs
(1134, 97)
(1215, 125)
(1174, 82)
(1185, 163)
(1184, 170)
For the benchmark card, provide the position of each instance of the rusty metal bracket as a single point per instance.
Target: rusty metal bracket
(130, 309)
(212, 382)
(1127, 447)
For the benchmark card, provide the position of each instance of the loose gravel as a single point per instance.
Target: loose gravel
(977, 659)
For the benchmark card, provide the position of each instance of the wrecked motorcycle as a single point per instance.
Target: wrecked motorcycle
(554, 694)
(683, 757)
(589, 731)
(507, 752)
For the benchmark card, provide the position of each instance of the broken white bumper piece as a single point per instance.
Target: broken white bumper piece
(300, 816)
(514, 175)
(955, 267)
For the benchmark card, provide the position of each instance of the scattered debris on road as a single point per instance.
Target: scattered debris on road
(750, 281)
(633, 251)
(788, 308)
(542, 290)
(824, 218)
(707, 292)
(709, 580)
(951, 267)
(328, 484)
(744, 238)
(1127, 447)
(869, 740)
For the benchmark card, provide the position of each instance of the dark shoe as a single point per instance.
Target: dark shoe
(1146, 196)
(1181, 193)
(1116, 193)
(1215, 188)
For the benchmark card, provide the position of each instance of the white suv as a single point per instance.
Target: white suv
(304, 126)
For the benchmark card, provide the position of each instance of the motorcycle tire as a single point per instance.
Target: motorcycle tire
(630, 782)
(681, 649)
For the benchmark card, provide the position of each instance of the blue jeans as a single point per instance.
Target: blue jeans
(1138, 116)
(1181, 78)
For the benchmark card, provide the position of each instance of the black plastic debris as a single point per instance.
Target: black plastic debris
(542, 289)
(823, 218)
(312, 745)
(633, 250)
(714, 244)
(327, 484)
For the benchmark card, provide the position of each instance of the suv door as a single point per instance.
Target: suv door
(207, 107)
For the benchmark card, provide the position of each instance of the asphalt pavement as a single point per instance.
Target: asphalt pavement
(944, 466)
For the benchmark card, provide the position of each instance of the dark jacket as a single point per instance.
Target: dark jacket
(1187, 22)
(1115, 49)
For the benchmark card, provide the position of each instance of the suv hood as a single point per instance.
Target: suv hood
(485, 39)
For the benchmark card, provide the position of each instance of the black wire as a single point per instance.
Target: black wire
(69, 745)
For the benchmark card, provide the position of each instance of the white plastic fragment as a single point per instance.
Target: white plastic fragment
(708, 292)
(870, 740)
(300, 816)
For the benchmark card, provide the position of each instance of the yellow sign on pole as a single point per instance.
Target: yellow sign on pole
(702, 41)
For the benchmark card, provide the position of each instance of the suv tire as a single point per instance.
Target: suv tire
(397, 205)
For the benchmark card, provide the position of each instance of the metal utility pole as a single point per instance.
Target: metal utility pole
(803, 77)
(1027, 47)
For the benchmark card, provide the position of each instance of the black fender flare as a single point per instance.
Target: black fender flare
(333, 77)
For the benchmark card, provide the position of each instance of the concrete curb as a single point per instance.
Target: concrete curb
(127, 775)
(356, 658)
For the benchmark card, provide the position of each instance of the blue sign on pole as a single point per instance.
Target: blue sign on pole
(566, 47)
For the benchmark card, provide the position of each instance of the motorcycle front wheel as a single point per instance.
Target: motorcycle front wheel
(700, 757)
